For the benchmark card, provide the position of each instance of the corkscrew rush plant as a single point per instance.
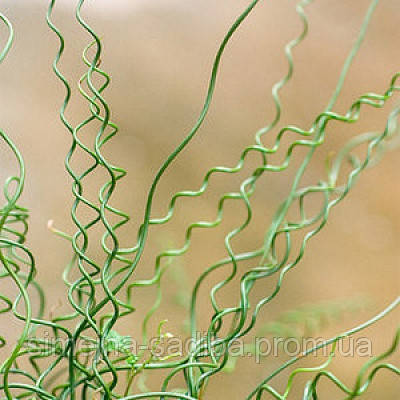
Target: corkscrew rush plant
(101, 289)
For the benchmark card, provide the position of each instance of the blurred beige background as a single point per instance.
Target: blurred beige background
(159, 54)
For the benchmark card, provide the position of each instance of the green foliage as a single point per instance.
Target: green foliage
(310, 319)
(307, 320)
(105, 290)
